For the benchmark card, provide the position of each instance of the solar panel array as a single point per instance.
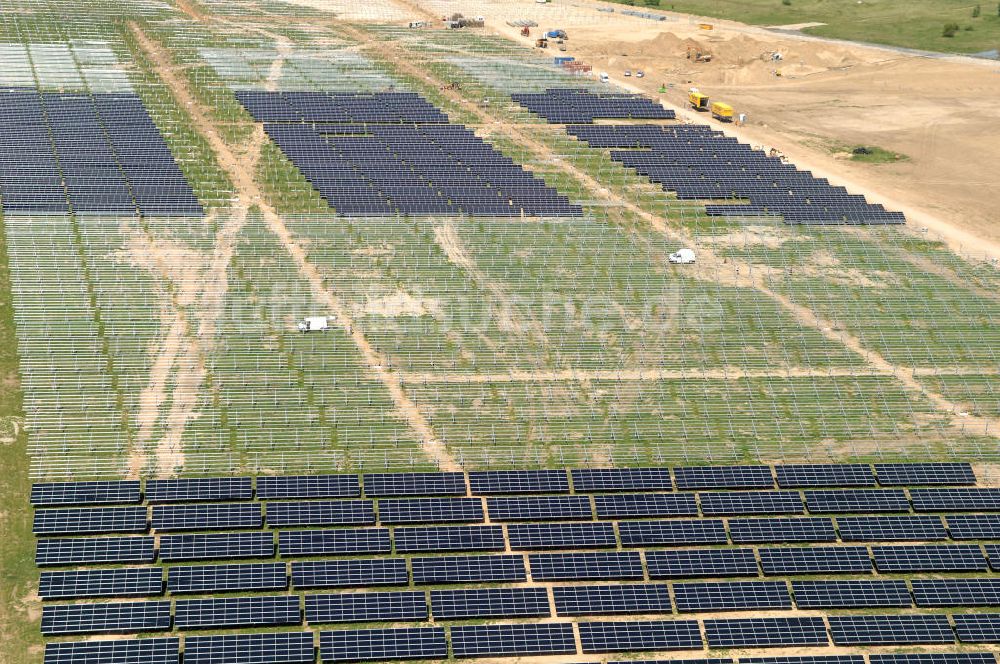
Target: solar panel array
(580, 106)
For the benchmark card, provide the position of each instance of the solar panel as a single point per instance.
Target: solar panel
(518, 481)
(91, 520)
(814, 475)
(534, 536)
(978, 627)
(430, 510)
(490, 603)
(814, 560)
(765, 632)
(623, 565)
(117, 582)
(207, 516)
(360, 573)
(914, 474)
(974, 526)
(468, 569)
(851, 594)
(119, 651)
(214, 546)
(934, 658)
(449, 538)
(625, 636)
(341, 541)
(964, 499)
(675, 661)
(957, 592)
(726, 503)
(536, 508)
(85, 493)
(365, 607)
(724, 477)
(857, 500)
(929, 558)
(201, 488)
(808, 529)
(632, 505)
(621, 479)
(676, 531)
(510, 640)
(217, 613)
(355, 645)
(693, 563)
(632, 598)
(890, 630)
(116, 618)
(731, 596)
(94, 550)
(227, 578)
(321, 513)
(993, 551)
(890, 528)
(271, 487)
(259, 648)
(379, 485)
(808, 659)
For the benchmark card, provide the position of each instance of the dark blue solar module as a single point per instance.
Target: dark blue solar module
(993, 551)
(595, 480)
(227, 578)
(731, 596)
(724, 477)
(974, 526)
(393, 511)
(851, 594)
(727, 503)
(962, 499)
(765, 632)
(379, 485)
(357, 573)
(934, 658)
(337, 541)
(712, 660)
(915, 474)
(262, 648)
(487, 482)
(633, 505)
(94, 550)
(115, 582)
(118, 651)
(321, 513)
(448, 538)
(528, 536)
(308, 486)
(812, 529)
(890, 528)
(619, 565)
(537, 508)
(626, 636)
(814, 560)
(890, 630)
(580, 106)
(365, 607)
(929, 558)
(207, 516)
(90, 520)
(115, 617)
(630, 598)
(957, 592)
(225, 612)
(807, 659)
(490, 603)
(468, 569)
(84, 493)
(676, 531)
(857, 500)
(357, 645)
(700, 563)
(216, 546)
(200, 488)
(978, 627)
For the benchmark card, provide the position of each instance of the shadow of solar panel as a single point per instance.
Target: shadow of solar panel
(113, 618)
(978, 627)
(349, 573)
(635, 598)
(490, 603)
(890, 528)
(796, 476)
(934, 658)
(430, 510)
(633, 505)
(765, 632)
(366, 607)
(956, 592)
(346, 541)
(273, 648)
(487, 482)
(200, 488)
(510, 640)
(468, 569)
(731, 596)
(929, 558)
(724, 477)
(119, 582)
(214, 546)
(814, 560)
(915, 474)
(620, 565)
(94, 550)
(227, 578)
(271, 487)
(965, 499)
(809, 529)
(448, 538)
(857, 500)
(974, 526)
(597, 637)
(726, 503)
(693, 563)
(122, 651)
(533, 536)
(223, 612)
(537, 508)
(207, 516)
(851, 594)
(890, 630)
(85, 493)
(676, 531)
(321, 513)
(621, 479)
(87, 521)
(357, 645)
(378, 485)
(815, 659)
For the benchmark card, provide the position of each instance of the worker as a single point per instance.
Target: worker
(741, 120)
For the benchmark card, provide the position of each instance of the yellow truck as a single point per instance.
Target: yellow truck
(723, 112)
(698, 101)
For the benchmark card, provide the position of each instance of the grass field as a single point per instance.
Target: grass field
(907, 23)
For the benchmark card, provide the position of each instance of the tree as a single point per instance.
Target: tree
(651, 3)
(950, 30)
(976, 11)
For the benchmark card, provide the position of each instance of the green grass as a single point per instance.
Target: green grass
(908, 23)
(868, 154)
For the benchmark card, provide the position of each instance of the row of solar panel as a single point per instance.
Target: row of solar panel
(578, 105)
(499, 482)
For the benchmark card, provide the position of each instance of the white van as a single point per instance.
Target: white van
(604, 77)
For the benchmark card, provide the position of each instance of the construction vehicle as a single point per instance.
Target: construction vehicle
(525, 31)
(542, 43)
(556, 34)
(698, 101)
(706, 26)
(698, 56)
(682, 257)
(604, 77)
(721, 111)
(314, 324)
